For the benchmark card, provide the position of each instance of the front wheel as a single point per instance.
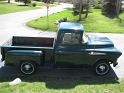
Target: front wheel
(102, 68)
(27, 68)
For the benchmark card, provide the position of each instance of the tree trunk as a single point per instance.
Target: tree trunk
(118, 8)
(80, 12)
(87, 9)
(8, 1)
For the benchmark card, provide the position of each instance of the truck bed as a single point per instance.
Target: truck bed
(30, 41)
(44, 44)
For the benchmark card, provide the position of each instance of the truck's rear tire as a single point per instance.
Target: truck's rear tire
(102, 68)
(27, 67)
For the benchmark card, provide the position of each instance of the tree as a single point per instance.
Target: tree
(8, 1)
(97, 4)
(111, 8)
(48, 1)
(118, 7)
(81, 6)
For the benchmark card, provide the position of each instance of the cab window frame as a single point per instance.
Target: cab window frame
(79, 38)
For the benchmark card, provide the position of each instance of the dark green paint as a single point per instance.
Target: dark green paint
(24, 55)
(61, 54)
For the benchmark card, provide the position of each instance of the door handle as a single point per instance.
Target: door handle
(59, 51)
(91, 53)
(96, 53)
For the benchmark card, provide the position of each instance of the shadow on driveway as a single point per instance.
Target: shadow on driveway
(59, 78)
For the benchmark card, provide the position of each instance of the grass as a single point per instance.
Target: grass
(59, 85)
(60, 81)
(42, 24)
(95, 22)
(11, 8)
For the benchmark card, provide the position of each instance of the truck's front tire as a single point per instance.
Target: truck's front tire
(27, 67)
(102, 68)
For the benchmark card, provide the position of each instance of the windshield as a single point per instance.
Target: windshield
(71, 38)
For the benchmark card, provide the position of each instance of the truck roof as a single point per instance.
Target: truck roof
(70, 26)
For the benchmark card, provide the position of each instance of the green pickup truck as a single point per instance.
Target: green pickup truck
(71, 48)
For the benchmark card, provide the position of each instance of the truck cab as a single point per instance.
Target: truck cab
(71, 48)
(70, 44)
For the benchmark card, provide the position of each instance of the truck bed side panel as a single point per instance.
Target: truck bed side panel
(16, 56)
(48, 54)
(33, 41)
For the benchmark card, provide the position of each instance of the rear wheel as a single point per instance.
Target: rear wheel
(27, 67)
(102, 68)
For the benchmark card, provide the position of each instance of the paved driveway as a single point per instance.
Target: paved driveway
(14, 24)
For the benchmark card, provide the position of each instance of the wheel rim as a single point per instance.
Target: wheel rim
(102, 69)
(27, 68)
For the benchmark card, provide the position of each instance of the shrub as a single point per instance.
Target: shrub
(34, 4)
(26, 1)
(98, 6)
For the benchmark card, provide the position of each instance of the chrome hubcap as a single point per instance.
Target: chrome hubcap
(27, 67)
(102, 69)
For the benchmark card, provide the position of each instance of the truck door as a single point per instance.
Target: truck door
(70, 50)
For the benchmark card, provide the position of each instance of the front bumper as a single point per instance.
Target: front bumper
(115, 64)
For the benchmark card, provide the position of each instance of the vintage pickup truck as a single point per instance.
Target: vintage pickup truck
(71, 48)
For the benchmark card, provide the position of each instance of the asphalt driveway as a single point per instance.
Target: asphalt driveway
(14, 24)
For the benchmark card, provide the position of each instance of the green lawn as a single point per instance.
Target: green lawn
(95, 22)
(10, 8)
(60, 85)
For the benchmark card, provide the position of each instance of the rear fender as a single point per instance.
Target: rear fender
(16, 56)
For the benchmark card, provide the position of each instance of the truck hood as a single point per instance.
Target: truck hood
(99, 42)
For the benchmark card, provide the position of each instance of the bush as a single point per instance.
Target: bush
(26, 1)
(109, 8)
(34, 4)
(98, 6)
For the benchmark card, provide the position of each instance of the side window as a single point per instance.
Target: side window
(71, 38)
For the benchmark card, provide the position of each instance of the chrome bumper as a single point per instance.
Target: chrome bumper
(115, 64)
